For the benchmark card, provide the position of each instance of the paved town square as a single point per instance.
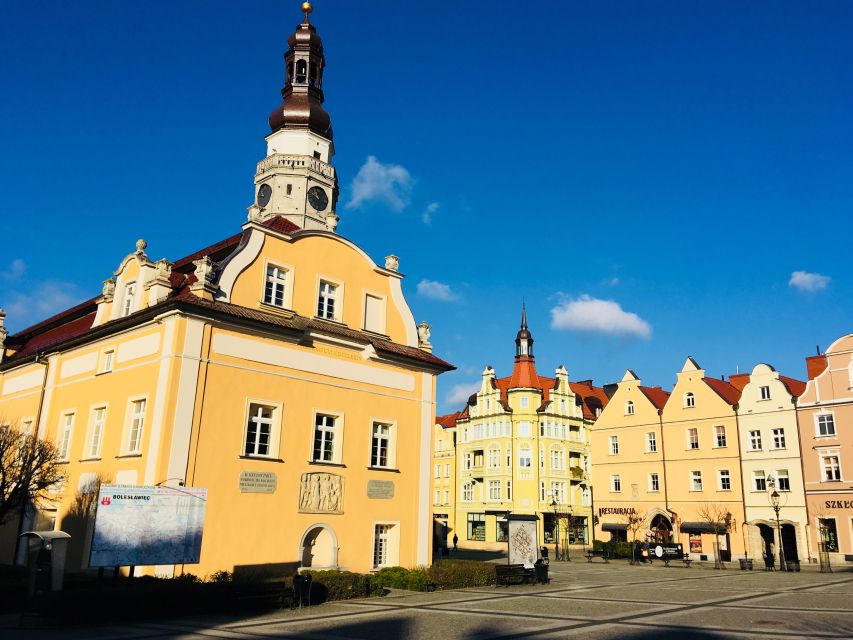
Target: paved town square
(585, 600)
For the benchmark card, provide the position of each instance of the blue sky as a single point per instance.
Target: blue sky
(649, 176)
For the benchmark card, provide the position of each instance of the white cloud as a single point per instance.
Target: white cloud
(436, 291)
(805, 281)
(16, 269)
(612, 282)
(432, 207)
(598, 316)
(389, 184)
(40, 302)
(461, 392)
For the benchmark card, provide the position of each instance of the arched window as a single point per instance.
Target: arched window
(689, 399)
(524, 458)
(301, 71)
(629, 408)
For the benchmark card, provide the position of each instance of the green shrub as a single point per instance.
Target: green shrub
(400, 578)
(340, 585)
(221, 577)
(458, 574)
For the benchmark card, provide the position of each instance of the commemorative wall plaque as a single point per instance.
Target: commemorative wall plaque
(380, 489)
(258, 482)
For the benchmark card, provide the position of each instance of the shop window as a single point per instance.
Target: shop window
(477, 526)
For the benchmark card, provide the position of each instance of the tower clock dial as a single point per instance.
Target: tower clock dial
(264, 195)
(318, 198)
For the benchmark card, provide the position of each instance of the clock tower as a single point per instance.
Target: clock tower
(296, 180)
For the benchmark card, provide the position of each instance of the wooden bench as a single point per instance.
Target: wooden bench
(513, 574)
(684, 557)
(590, 554)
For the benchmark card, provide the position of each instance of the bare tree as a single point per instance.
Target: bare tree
(28, 467)
(634, 521)
(717, 517)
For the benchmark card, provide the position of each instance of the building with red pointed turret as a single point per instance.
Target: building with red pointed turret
(520, 446)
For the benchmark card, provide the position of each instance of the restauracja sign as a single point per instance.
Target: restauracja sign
(619, 511)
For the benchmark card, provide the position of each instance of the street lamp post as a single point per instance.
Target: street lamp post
(774, 498)
(556, 529)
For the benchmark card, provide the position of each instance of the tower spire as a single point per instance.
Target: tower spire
(524, 371)
(523, 339)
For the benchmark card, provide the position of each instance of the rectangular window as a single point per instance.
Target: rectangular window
(502, 529)
(509, 489)
(765, 393)
(96, 432)
(477, 526)
(437, 497)
(755, 440)
(541, 491)
(324, 438)
(107, 358)
(494, 490)
(615, 483)
(778, 438)
(438, 470)
(380, 447)
(689, 400)
(381, 542)
(831, 468)
(326, 301)
(696, 481)
(259, 430)
(614, 445)
(524, 402)
(693, 438)
(137, 421)
(447, 470)
(783, 480)
(374, 314)
(275, 286)
(629, 408)
(759, 481)
(651, 442)
(558, 491)
(494, 458)
(558, 460)
(446, 497)
(654, 483)
(725, 480)
(467, 492)
(66, 425)
(720, 436)
(129, 295)
(826, 424)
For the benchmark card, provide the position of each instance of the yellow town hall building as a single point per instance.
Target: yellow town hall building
(520, 446)
(283, 350)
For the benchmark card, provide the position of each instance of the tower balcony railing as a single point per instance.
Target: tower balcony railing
(292, 161)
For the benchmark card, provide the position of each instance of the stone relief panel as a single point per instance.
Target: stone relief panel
(321, 493)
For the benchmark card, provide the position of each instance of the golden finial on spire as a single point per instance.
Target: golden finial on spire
(306, 9)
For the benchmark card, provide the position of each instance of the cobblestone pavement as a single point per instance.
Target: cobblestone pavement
(583, 600)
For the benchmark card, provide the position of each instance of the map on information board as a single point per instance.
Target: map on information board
(139, 525)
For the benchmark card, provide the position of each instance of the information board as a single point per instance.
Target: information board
(523, 542)
(141, 525)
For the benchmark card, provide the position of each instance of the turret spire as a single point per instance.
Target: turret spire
(524, 371)
(523, 339)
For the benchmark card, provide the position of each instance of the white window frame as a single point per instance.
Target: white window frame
(288, 282)
(831, 416)
(275, 429)
(780, 441)
(525, 447)
(524, 402)
(493, 457)
(64, 434)
(759, 481)
(130, 426)
(754, 436)
(339, 298)
(337, 435)
(106, 360)
(614, 446)
(558, 458)
(391, 455)
(780, 475)
(694, 476)
(446, 469)
(391, 530)
(823, 456)
(128, 298)
(764, 393)
(691, 431)
(689, 400)
(651, 442)
(727, 476)
(384, 320)
(467, 492)
(717, 438)
(629, 408)
(494, 490)
(95, 432)
(654, 483)
(615, 483)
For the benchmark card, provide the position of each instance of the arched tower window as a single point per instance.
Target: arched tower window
(301, 71)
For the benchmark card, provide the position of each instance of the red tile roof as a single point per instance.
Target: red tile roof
(448, 420)
(795, 387)
(657, 395)
(726, 391)
(524, 373)
(739, 381)
(593, 399)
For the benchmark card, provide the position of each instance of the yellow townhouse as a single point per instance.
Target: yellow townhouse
(281, 369)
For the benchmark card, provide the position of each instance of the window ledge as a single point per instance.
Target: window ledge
(273, 308)
(260, 458)
(103, 373)
(327, 464)
(833, 435)
(387, 469)
(330, 321)
(90, 459)
(129, 455)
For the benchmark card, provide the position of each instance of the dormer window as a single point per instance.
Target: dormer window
(689, 400)
(275, 286)
(128, 300)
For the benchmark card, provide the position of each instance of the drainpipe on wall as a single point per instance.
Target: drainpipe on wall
(736, 406)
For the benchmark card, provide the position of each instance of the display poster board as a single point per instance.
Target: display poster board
(142, 525)
(667, 550)
(695, 543)
(523, 541)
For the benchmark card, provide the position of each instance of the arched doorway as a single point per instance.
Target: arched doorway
(661, 528)
(789, 542)
(319, 547)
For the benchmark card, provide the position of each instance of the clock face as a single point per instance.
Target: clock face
(317, 198)
(264, 195)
